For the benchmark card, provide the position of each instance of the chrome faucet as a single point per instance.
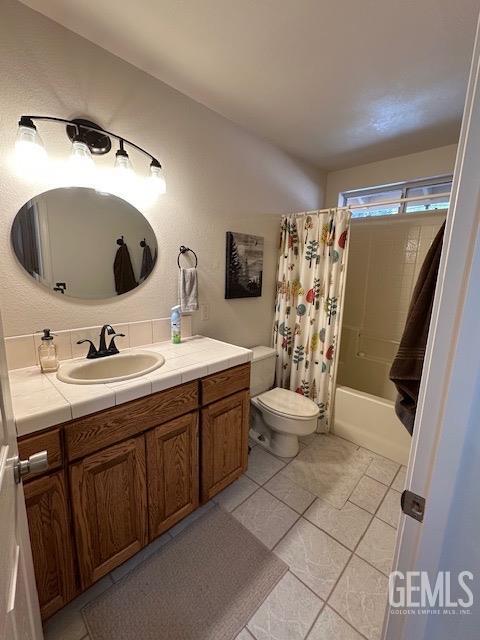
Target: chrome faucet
(102, 350)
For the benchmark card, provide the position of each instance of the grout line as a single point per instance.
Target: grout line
(370, 564)
(325, 600)
(322, 601)
(324, 604)
(384, 483)
(353, 553)
(263, 486)
(350, 625)
(286, 533)
(301, 513)
(342, 617)
(245, 499)
(330, 535)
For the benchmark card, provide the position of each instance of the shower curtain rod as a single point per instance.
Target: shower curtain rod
(376, 204)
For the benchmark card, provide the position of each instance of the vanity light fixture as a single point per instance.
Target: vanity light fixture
(156, 179)
(81, 161)
(123, 166)
(87, 139)
(29, 148)
(122, 176)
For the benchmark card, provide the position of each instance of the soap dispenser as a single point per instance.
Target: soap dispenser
(47, 352)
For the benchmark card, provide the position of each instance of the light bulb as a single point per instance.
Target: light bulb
(80, 164)
(156, 180)
(123, 176)
(30, 154)
(123, 166)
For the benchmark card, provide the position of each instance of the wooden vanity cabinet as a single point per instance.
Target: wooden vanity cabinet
(224, 443)
(121, 477)
(51, 540)
(109, 503)
(172, 472)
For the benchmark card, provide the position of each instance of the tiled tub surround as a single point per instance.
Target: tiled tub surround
(41, 400)
(384, 260)
(22, 351)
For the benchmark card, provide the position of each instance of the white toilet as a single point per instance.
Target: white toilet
(278, 416)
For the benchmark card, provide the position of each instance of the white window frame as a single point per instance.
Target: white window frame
(403, 186)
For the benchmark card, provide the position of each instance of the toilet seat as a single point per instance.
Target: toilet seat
(288, 404)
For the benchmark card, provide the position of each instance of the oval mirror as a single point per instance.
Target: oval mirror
(81, 243)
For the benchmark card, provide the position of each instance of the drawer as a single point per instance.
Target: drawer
(50, 441)
(94, 432)
(222, 384)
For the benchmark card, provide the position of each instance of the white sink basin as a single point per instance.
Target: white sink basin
(122, 366)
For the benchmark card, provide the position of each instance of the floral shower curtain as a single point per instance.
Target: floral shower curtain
(310, 283)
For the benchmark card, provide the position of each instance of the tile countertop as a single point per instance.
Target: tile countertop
(41, 400)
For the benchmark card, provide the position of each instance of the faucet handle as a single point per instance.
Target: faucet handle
(92, 351)
(112, 347)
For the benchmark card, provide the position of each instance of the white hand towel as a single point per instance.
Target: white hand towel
(188, 289)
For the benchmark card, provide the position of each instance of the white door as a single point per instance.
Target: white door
(444, 465)
(19, 610)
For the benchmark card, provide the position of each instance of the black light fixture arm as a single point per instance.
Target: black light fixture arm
(27, 120)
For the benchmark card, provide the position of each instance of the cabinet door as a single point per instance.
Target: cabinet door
(172, 471)
(109, 507)
(224, 442)
(50, 536)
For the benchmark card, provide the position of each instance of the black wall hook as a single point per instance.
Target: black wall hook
(183, 250)
(120, 241)
(143, 243)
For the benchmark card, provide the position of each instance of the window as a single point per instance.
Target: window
(387, 200)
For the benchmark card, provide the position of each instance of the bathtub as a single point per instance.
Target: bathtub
(371, 422)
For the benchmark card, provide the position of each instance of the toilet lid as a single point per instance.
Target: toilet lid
(289, 403)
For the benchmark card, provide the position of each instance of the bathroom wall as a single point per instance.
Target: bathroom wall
(433, 162)
(219, 178)
(385, 257)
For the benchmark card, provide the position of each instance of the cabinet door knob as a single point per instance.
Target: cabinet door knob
(35, 463)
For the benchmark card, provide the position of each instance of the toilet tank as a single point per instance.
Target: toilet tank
(263, 370)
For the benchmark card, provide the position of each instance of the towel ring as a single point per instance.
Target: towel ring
(183, 250)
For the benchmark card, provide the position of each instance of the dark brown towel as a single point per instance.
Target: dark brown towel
(123, 271)
(407, 367)
(147, 263)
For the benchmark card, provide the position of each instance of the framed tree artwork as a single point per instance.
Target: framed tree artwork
(244, 266)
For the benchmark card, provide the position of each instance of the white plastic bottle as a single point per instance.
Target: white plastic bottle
(176, 324)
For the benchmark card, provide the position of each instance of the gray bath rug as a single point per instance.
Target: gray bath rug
(330, 468)
(203, 585)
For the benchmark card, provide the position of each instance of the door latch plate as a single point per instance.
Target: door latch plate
(413, 505)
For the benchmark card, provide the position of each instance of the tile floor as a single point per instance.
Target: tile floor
(331, 514)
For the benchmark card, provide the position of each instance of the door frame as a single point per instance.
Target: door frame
(448, 386)
(20, 604)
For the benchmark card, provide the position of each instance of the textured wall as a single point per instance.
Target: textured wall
(219, 178)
